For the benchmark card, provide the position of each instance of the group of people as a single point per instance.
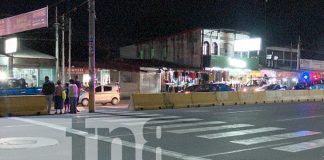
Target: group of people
(66, 96)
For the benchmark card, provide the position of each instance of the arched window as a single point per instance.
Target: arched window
(206, 48)
(215, 48)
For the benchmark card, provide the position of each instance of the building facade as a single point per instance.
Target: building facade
(211, 50)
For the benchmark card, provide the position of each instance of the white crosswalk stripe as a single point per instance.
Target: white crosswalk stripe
(276, 137)
(214, 128)
(302, 146)
(138, 120)
(166, 126)
(164, 121)
(240, 132)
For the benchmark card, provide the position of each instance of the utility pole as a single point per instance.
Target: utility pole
(92, 55)
(57, 72)
(298, 53)
(70, 38)
(63, 54)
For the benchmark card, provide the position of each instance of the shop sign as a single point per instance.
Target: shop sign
(24, 22)
(311, 64)
(77, 70)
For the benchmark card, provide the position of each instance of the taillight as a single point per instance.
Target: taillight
(187, 92)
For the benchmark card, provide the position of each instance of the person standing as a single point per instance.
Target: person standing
(79, 85)
(73, 96)
(48, 90)
(67, 101)
(58, 99)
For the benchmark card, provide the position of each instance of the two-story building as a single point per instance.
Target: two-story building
(201, 55)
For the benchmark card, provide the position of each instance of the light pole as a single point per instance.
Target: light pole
(63, 53)
(57, 72)
(92, 55)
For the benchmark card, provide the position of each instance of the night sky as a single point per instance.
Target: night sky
(123, 22)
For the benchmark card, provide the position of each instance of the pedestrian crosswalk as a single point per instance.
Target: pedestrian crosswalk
(275, 137)
(235, 133)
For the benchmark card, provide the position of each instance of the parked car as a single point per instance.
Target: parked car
(208, 88)
(300, 86)
(103, 94)
(271, 87)
(317, 87)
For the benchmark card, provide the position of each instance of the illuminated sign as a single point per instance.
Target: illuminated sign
(245, 45)
(24, 22)
(236, 63)
(11, 45)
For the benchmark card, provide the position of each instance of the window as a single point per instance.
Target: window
(215, 48)
(152, 53)
(206, 48)
(107, 88)
(165, 53)
(98, 89)
(140, 54)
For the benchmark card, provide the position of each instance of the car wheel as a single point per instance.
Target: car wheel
(114, 101)
(85, 102)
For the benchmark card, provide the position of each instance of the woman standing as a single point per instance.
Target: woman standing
(58, 100)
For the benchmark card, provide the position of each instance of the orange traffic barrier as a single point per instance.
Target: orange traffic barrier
(22, 105)
(316, 95)
(147, 101)
(178, 100)
(227, 98)
(203, 99)
(251, 97)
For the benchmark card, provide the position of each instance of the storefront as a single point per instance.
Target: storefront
(30, 65)
(233, 71)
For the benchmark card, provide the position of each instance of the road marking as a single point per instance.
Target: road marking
(302, 146)
(239, 133)
(243, 150)
(245, 111)
(141, 120)
(137, 146)
(164, 121)
(300, 118)
(214, 128)
(149, 115)
(186, 125)
(275, 137)
(131, 114)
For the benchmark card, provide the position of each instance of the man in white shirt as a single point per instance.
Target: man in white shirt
(73, 96)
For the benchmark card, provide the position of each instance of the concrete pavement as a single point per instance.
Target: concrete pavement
(265, 131)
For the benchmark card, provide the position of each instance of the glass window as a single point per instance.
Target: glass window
(98, 89)
(206, 48)
(165, 53)
(107, 88)
(152, 53)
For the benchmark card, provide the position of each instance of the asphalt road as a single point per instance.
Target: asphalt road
(249, 132)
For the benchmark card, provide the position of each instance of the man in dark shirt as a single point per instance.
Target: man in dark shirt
(48, 90)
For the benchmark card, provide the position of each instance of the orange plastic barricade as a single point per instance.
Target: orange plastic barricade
(203, 99)
(316, 95)
(178, 100)
(227, 98)
(22, 105)
(147, 101)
